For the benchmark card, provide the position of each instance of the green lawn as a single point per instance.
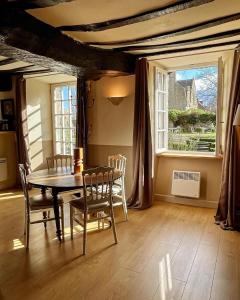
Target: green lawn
(192, 141)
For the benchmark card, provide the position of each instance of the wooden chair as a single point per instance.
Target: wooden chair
(42, 203)
(97, 190)
(60, 160)
(118, 161)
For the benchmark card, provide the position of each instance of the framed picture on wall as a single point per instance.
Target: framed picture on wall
(7, 108)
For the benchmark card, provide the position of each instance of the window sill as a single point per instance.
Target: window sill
(189, 155)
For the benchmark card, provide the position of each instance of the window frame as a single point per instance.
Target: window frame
(218, 150)
(53, 86)
(164, 93)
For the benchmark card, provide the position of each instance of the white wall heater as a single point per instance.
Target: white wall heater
(186, 184)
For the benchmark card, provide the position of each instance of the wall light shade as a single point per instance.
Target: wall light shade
(115, 100)
(236, 121)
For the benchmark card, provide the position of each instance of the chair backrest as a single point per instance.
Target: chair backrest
(24, 183)
(97, 184)
(59, 160)
(118, 162)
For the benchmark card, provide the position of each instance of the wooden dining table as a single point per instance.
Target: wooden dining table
(59, 180)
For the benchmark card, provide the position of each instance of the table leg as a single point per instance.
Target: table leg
(56, 213)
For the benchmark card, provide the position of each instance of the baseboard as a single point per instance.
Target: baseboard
(186, 201)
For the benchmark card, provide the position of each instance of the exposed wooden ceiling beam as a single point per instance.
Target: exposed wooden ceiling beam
(7, 61)
(145, 16)
(174, 33)
(30, 4)
(25, 38)
(208, 38)
(188, 49)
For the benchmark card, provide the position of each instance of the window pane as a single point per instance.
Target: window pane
(58, 122)
(73, 135)
(161, 124)
(72, 92)
(65, 93)
(59, 135)
(58, 148)
(57, 93)
(66, 121)
(192, 109)
(160, 139)
(66, 135)
(66, 107)
(73, 122)
(160, 101)
(68, 148)
(58, 107)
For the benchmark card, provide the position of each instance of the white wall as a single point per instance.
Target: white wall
(39, 110)
(110, 124)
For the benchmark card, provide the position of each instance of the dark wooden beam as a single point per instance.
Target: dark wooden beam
(7, 61)
(145, 16)
(25, 38)
(173, 33)
(205, 39)
(188, 49)
(33, 72)
(30, 4)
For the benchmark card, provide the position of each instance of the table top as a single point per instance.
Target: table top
(60, 178)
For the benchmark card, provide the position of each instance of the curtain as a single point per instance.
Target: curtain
(22, 124)
(82, 122)
(141, 196)
(229, 201)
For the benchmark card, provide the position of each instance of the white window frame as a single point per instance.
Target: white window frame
(165, 149)
(53, 86)
(161, 89)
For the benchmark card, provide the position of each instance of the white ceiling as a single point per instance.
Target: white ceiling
(91, 11)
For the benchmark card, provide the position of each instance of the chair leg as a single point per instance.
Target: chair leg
(84, 232)
(28, 232)
(125, 209)
(71, 221)
(45, 218)
(113, 224)
(62, 220)
(124, 203)
(25, 223)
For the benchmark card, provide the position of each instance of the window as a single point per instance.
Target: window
(186, 109)
(64, 120)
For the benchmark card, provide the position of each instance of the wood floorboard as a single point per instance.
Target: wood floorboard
(167, 252)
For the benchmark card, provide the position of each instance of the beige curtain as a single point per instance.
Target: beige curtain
(21, 123)
(141, 196)
(229, 202)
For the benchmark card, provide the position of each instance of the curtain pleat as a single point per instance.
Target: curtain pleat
(141, 196)
(229, 200)
(22, 123)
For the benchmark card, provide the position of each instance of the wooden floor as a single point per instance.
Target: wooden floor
(166, 252)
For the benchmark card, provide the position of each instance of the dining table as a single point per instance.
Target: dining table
(59, 180)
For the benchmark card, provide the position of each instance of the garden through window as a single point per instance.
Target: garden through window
(64, 107)
(192, 109)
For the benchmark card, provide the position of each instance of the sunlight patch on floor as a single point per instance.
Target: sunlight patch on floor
(165, 277)
(17, 244)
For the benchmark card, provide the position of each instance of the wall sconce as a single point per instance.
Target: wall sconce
(115, 100)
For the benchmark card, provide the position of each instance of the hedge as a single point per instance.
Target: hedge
(191, 117)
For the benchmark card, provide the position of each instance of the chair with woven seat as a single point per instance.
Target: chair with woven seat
(118, 162)
(97, 191)
(42, 203)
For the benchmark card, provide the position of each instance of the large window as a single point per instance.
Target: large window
(186, 109)
(64, 120)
